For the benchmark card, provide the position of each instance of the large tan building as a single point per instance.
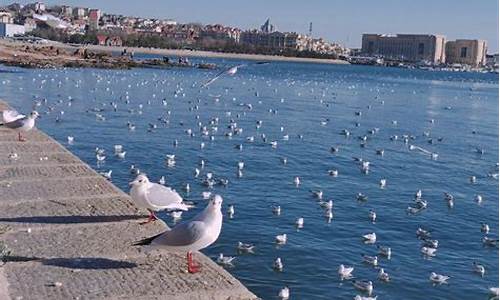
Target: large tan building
(275, 40)
(405, 47)
(469, 52)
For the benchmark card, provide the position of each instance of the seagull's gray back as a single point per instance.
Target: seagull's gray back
(182, 235)
(16, 124)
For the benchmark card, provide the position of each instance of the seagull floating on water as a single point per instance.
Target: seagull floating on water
(438, 278)
(345, 272)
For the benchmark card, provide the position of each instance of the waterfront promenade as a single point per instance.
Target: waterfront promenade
(68, 233)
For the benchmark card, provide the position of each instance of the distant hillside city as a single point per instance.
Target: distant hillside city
(82, 25)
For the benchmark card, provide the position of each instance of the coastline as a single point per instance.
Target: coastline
(210, 54)
(198, 53)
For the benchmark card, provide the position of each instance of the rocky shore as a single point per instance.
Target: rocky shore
(28, 55)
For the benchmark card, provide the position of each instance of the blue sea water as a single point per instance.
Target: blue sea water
(303, 95)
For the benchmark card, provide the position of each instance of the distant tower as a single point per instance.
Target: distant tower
(310, 38)
(267, 27)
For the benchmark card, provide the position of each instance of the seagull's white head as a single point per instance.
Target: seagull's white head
(140, 180)
(216, 203)
(34, 114)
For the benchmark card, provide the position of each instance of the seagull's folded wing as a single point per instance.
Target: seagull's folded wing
(184, 234)
(163, 197)
(15, 124)
(11, 116)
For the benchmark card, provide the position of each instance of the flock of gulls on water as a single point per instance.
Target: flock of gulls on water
(204, 229)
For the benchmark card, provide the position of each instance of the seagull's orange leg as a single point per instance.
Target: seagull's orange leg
(152, 217)
(192, 266)
(20, 138)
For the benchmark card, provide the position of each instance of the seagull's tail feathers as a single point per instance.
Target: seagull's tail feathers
(188, 205)
(146, 241)
(178, 206)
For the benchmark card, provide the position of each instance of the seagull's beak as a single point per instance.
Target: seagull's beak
(132, 183)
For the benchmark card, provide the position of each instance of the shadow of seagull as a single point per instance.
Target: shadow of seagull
(87, 263)
(71, 219)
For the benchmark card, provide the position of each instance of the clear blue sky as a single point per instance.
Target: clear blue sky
(336, 20)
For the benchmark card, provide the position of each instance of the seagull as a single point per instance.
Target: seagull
(231, 71)
(317, 194)
(370, 238)
(493, 291)
(485, 228)
(365, 286)
(121, 155)
(328, 205)
(199, 233)
(206, 195)
(383, 276)
(383, 183)
(225, 260)
(371, 260)
(230, 211)
(176, 215)
(385, 251)
(449, 198)
(107, 174)
(478, 268)
(278, 264)
(155, 197)
(428, 251)
(281, 239)
(438, 278)
(134, 170)
(361, 197)
(299, 223)
(245, 248)
(20, 123)
(170, 158)
(277, 210)
(422, 233)
(284, 293)
(333, 173)
(345, 272)
(372, 215)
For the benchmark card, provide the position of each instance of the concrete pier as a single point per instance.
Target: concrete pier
(69, 233)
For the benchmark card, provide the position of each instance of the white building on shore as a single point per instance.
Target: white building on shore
(10, 30)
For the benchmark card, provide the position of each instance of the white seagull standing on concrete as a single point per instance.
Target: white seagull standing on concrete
(202, 231)
(20, 123)
(154, 197)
